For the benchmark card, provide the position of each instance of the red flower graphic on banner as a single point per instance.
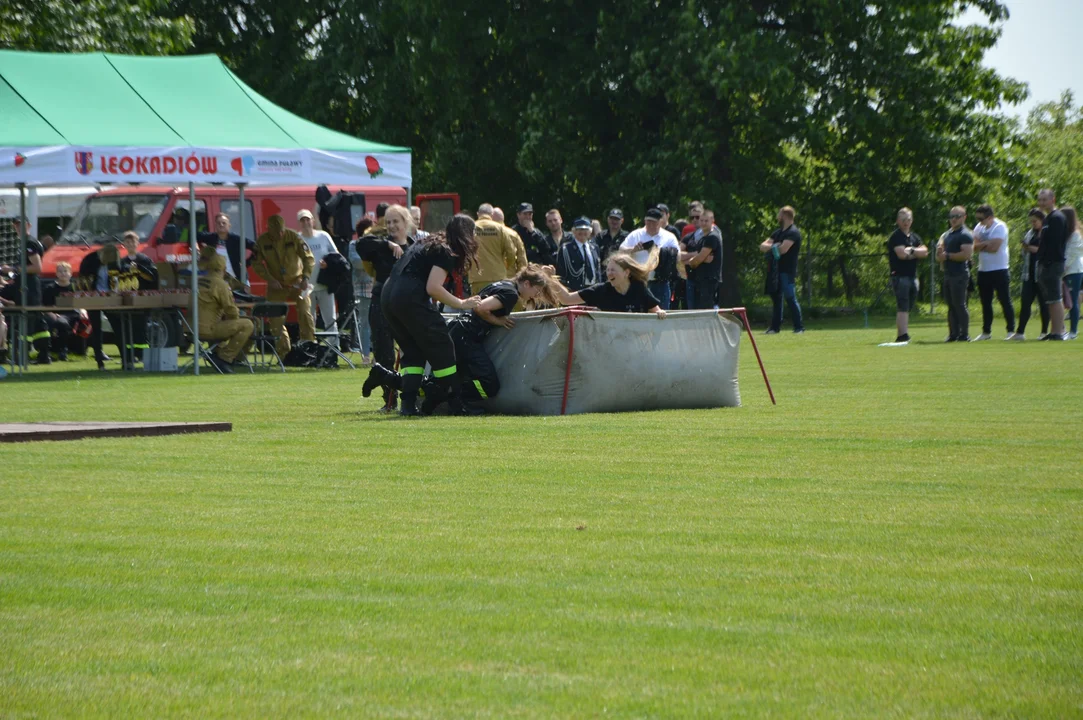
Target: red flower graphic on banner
(19, 159)
(373, 166)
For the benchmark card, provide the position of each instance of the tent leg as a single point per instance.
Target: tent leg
(22, 346)
(743, 314)
(193, 248)
(240, 231)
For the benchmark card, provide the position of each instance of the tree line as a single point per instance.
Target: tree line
(845, 109)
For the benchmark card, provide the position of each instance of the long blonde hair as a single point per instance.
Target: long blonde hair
(536, 276)
(637, 271)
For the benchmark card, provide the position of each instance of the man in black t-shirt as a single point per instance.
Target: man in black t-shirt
(781, 249)
(703, 256)
(1051, 262)
(904, 249)
(954, 250)
(37, 332)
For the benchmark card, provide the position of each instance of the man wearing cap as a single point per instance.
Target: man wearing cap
(611, 239)
(499, 254)
(285, 262)
(641, 240)
(321, 245)
(539, 247)
(577, 260)
(664, 209)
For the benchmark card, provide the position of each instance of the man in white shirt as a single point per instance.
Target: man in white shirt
(991, 246)
(641, 240)
(321, 245)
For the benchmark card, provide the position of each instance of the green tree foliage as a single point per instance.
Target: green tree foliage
(847, 109)
(1054, 152)
(138, 27)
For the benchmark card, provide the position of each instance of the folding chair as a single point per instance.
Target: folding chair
(262, 343)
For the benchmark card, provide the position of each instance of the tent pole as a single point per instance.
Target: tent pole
(194, 250)
(240, 231)
(23, 324)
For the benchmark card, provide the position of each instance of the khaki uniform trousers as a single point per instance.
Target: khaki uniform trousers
(234, 336)
(305, 321)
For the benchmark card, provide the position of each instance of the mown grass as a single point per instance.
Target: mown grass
(901, 536)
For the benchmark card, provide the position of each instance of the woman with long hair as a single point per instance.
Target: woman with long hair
(625, 289)
(1073, 268)
(407, 301)
(379, 251)
(532, 286)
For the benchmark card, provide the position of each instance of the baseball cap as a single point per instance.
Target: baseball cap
(663, 207)
(582, 222)
(654, 214)
(525, 207)
(616, 212)
(304, 214)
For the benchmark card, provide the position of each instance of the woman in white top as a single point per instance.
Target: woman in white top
(1073, 268)
(321, 245)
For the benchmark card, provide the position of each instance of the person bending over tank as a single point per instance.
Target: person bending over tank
(625, 289)
(470, 329)
(419, 329)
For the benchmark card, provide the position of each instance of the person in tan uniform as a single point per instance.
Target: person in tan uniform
(500, 251)
(218, 315)
(283, 259)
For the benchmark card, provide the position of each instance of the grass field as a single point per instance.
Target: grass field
(902, 536)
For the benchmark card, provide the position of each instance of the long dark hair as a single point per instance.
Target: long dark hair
(459, 237)
(1071, 217)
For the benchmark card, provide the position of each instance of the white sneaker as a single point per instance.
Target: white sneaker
(771, 332)
(983, 336)
(1041, 336)
(1017, 337)
(1073, 336)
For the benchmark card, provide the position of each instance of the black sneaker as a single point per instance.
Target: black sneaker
(43, 359)
(964, 338)
(221, 365)
(379, 376)
(904, 338)
(433, 396)
(1054, 337)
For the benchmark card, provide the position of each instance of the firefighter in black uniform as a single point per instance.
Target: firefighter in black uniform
(378, 252)
(407, 300)
(469, 329)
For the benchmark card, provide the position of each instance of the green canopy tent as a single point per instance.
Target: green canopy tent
(73, 119)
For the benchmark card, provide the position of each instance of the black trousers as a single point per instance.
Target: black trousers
(704, 294)
(999, 282)
(59, 331)
(96, 333)
(383, 342)
(422, 336)
(1030, 294)
(479, 380)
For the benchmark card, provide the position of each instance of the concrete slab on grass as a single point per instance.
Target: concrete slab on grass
(29, 432)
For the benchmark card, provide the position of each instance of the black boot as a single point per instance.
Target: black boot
(379, 376)
(411, 386)
(434, 395)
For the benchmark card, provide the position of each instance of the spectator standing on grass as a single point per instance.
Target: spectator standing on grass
(703, 257)
(673, 230)
(991, 244)
(321, 246)
(557, 235)
(539, 247)
(641, 241)
(577, 259)
(1073, 267)
(498, 250)
(415, 214)
(904, 249)
(782, 248)
(614, 235)
(695, 210)
(362, 292)
(1051, 255)
(38, 332)
(1028, 277)
(955, 250)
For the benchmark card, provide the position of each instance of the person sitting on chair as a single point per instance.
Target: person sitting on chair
(219, 318)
